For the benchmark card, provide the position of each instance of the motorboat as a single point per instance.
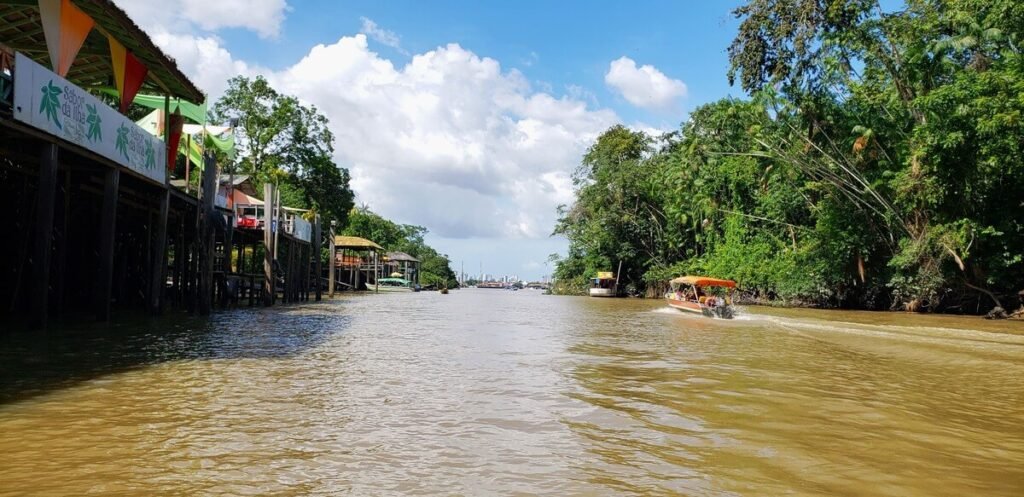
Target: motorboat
(604, 285)
(710, 297)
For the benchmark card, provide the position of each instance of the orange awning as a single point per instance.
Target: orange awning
(703, 281)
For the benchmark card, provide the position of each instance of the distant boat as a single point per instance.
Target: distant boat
(490, 284)
(605, 285)
(693, 294)
(396, 285)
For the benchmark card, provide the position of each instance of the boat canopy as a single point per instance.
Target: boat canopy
(605, 275)
(703, 281)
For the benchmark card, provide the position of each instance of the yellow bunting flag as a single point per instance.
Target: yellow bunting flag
(65, 27)
(129, 73)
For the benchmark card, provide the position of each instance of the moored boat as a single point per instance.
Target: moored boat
(396, 285)
(710, 297)
(604, 285)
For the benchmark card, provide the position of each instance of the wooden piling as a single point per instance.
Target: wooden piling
(108, 227)
(331, 263)
(159, 257)
(317, 240)
(206, 242)
(268, 245)
(39, 299)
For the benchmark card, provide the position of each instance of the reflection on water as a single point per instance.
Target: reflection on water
(492, 392)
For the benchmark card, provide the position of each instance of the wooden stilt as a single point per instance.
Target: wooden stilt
(108, 227)
(268, 245)
(317, 240)
(39, 298)
(61, 241)
(206, 242)
(332, 265)
(159, 257)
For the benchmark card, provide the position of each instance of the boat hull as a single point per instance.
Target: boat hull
(724, 311)
(602, 292)
(396, 289)
(687, 306)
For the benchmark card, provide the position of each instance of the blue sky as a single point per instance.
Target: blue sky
(467, 118)
(558, 43)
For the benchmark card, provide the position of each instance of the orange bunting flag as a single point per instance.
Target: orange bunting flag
(129, 73)
(65, 28)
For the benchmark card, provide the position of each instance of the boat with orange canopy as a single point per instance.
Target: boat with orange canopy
(711, 297)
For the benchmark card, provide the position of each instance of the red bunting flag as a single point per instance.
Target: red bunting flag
(177, 123)
(129, 73)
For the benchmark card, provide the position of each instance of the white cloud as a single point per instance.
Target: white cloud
(208, 64)
(644, 86)
(450, 140)
(264, 17)
(381, 35)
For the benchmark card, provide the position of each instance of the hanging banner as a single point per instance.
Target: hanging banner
(65, 28)
(48, 102)
(129, 73)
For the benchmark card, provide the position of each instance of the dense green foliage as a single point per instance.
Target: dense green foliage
(287, 143)
(434, 267)
(878, 164)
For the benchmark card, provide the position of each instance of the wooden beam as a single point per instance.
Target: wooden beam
(40, 309)
(108, 227)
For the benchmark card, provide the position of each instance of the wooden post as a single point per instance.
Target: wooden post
(43, 234)
(157, 282)
(252, 278)
(268, 244)
(108, 227)
(331, 263)
(376, 272)
(59, 288)
(206, 240)
(317, 263)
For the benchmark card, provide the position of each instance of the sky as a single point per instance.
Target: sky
(467, 118)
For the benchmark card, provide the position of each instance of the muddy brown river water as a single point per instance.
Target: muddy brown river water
(489, 392)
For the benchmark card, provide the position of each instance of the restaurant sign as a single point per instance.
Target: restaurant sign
(48, 102)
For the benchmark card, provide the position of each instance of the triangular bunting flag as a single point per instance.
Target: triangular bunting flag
(177, 121)
(129, 73)
(65, 28)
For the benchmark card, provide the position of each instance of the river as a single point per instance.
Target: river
(490, 392)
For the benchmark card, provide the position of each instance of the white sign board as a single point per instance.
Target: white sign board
(49, 102)
(302, 229)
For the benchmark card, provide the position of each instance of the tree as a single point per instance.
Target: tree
(286, 143)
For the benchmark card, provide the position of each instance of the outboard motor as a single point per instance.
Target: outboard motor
(724, 311)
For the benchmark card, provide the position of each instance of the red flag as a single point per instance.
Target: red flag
(177, 122)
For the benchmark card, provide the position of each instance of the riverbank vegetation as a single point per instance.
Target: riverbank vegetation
(876, 165)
